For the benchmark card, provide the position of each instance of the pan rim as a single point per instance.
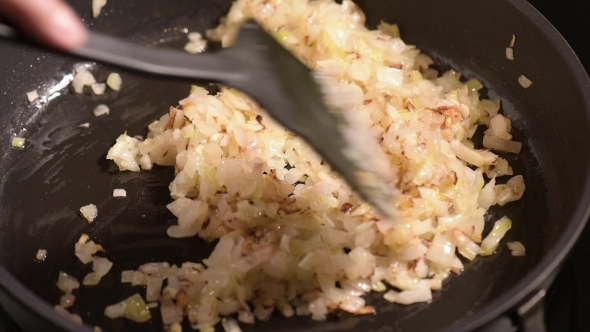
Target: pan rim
(504, 303)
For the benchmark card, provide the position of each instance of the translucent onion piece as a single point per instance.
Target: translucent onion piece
(524, 81)
(114, 81)
(90, 212)
(18, 142)
(67, 283)
(516, 248)
(490, 243)
(32, 96)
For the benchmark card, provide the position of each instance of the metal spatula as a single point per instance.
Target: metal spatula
(263, 69)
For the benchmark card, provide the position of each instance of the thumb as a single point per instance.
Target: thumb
(51, 22)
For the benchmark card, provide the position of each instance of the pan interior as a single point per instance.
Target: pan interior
(63, 166)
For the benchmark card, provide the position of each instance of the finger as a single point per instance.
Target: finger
(51, 22)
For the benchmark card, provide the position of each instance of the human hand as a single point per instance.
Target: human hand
(51, 22)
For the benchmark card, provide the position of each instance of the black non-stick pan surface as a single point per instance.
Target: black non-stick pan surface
(63, 167)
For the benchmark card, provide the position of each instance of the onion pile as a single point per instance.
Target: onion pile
(292, 236)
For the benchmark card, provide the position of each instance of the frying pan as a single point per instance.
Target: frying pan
(63, 167)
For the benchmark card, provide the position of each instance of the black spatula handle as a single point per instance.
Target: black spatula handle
(171, 63)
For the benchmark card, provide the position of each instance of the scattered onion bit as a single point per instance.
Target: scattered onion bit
(114, 81)
(98, 88)
(516, 249)
(83, 238)
(509, 53)
(524, 81)
(84, 125)
(97, 6)
(18, 142)
(101, 110)
(41, 255)
(90, 212)
(119, 193)
(32, 96)
(490, 243)
(513, 41)
(136, 310)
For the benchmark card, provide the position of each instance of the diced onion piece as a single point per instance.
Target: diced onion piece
(474, 85)
(90, 212)
(97, 6)
(441, 251)
(469, 155)
(101, 266)
(176, 327)
(516, 248)
(391, 30)
(509, 53)
(195, 47)
(497, 144)
(153, 305)
(513, 191)
(513, 40)
(84, 251)
(84, 125)
(245, 317)
(409, 296)
(490, 243)
(114, 81)
(67, 283)
(98, 88)
(119, 193)
(230, 325)
(524, 81)
(170, 313)
(91, 279)
(18, 142)
(487, 196)
(115, 310)
(101, 110)
(32, 96)
(67, 300)
(466, 247)
(41, 255)
(83, 238)
(136, 310)
(154, 287)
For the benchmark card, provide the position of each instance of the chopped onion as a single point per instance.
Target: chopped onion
(67, 300)
(32, 96)
(90, 212)
(490, 243)
(154, 287)
(509, 53)
(91, 279)
(245, 317)
(230, 325)
(513, 41)
(524, 81)
(115, 310)
(516, 248)
(101, 110)
(136, 310)
(498, 144)
(119, 193)
(41, 255)
(67, 283)
(176, 327)
(97, 6)
(18, 142)
(83, 238)
(170, 313)
(84, 125)
(389, 29)
(84, 251)
(409, 296)
(101, 266)
(114, 81)
(98, 88)
(513, 190)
